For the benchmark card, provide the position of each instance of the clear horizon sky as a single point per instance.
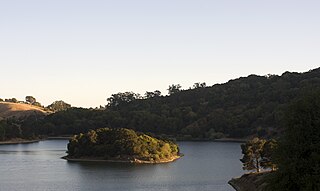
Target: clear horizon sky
(84, 51)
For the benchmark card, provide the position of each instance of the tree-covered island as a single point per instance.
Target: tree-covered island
(120, 145)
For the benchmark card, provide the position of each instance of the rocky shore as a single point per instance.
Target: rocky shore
(250, 182)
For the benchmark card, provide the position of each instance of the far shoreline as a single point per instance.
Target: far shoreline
(20, 141)
(59, 138)
(177, 139)
(26, 141)
(225, 140)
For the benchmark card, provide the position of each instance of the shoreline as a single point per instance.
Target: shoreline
(225, 140)
(59, 138)
(135, 161)
(250, 181)
(231, 140)
(16, 142)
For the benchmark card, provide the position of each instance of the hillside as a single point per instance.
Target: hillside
(8, 110)
(241, 108)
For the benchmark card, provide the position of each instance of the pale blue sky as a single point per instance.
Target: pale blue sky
(83, 51)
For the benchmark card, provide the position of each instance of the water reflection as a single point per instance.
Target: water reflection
(37, 166)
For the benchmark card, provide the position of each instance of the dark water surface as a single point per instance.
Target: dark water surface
(206, 166)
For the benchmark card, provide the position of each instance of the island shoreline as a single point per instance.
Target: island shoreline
(135, 161)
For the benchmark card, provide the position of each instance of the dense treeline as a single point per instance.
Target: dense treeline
(22, 127)
(120, 144)
(298, 155)
(243, 107)
(295, 157)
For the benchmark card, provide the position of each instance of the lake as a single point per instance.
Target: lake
(206, 166)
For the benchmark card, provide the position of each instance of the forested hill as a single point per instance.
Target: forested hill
(243, 107)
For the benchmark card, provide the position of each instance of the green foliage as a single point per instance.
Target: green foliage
(31, 100)
(59, 106)
(122, 98)
(120, 143)
(298, 153)
(174, 88)
(199, 85)
(267, 153)
(11, 128)
(37, 104)
(212, 134)
(251, 106)
(156, 93)
(26, 127)
(2, 131)
(253, 156)
(12, 100)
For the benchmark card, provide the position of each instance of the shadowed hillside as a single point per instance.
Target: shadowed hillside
(240, 108)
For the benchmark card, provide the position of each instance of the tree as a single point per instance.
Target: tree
(31, 100)
(267, 154)
(1, 99)
(2, 131)
(12, 100)
(199, 85)
(252, 154)
(59, 106)
(174, 88)
(298, 154)
(37, 104)
(121, 98)
(156, 93)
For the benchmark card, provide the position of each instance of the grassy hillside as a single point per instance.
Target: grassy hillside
(18, 121)
(8, 110)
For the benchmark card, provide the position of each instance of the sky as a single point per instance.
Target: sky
(84, 51)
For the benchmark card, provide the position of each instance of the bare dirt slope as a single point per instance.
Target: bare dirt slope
(19, 109)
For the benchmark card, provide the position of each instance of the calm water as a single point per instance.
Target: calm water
(206, 166)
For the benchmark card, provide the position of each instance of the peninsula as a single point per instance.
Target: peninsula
(121, 145)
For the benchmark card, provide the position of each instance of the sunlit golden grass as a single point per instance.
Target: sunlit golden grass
(19, 109)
